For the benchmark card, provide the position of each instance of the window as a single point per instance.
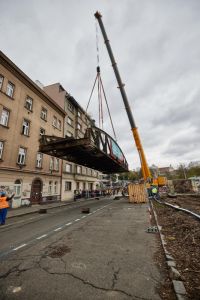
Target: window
(56, 164)
(51, 164)
(70, 107)
(54, 121)
(1, 81)
(50, 188)
(78, 168)
(55, 187)
(10, 89)
(39, 160)
(83, 170)
(1, 149)
(69, 134)
(78, 126)
(79, 114)
(68, 168)
(42, 131)
(29, 103)
(21, 156)
(18, 188)
(5, 117)
(68, 186)
(43, 114)
(69, 121)
(59, 125)
(25, 127)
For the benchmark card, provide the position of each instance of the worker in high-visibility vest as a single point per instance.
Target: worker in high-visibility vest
(154, 191)
(4, 205)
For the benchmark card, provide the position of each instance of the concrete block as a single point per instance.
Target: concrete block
(171, 263)
(169, 257)
(179, 287)
(174, 274)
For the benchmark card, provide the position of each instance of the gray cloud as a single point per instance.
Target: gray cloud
(156, 45)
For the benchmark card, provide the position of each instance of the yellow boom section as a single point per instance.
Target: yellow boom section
(145, 169)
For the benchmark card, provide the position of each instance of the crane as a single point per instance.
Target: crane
(144, 166)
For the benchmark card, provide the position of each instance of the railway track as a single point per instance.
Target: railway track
(177, 207)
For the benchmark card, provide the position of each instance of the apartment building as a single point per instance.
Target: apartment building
(26, 113)
(75, 177)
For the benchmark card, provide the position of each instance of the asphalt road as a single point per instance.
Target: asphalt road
(66, 255)
(26, 230)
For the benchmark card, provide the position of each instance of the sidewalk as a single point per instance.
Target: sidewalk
(17, 212)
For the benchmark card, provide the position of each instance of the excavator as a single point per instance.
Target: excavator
(147, 176)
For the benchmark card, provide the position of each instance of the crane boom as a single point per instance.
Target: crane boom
(145, 169)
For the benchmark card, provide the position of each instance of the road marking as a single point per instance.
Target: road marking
(23, 245)
(77, 220)
(41, 237)
(67, 224)
(59, 228)
(83, 217)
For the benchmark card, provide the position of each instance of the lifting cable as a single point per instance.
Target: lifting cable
(101, 89)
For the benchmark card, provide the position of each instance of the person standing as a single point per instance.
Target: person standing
(4, 205)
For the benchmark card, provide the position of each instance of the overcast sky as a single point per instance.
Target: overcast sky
(156, 45)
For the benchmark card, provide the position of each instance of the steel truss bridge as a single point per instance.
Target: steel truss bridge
(97, 150)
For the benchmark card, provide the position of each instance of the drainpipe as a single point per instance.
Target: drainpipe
(63, 134)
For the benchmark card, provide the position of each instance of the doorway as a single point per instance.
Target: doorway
(36, 191)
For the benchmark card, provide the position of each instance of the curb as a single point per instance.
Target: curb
(43, 206)
(174, 274)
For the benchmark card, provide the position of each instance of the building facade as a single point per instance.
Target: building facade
(75, 179)
(26, 113)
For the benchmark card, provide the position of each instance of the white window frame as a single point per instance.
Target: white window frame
(59, 124)
(69, 121)
(56, 164)
(69, 134)
(39, 160)
(1, 81)
(68, 186)
(43, 114)
(26, 127)
(68, 168)
(29, 103)
(18, 188)
(54, 121)
(10, 89)
(78, 169)
(1, 149)
(79, 126)
(50, 187)
(21, 156)
(51, 163)
(5, 117)
(79, 114)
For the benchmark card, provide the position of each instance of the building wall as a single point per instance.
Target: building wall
(88, 179)
(12, 138)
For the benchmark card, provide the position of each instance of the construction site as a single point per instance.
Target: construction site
(139, 238)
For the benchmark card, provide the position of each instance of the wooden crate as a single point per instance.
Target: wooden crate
(137, 193)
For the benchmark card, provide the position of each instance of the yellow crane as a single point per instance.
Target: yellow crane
(144, 166)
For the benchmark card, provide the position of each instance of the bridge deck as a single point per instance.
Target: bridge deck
(83, 152)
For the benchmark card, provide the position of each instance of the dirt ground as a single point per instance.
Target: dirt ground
(182, 234)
